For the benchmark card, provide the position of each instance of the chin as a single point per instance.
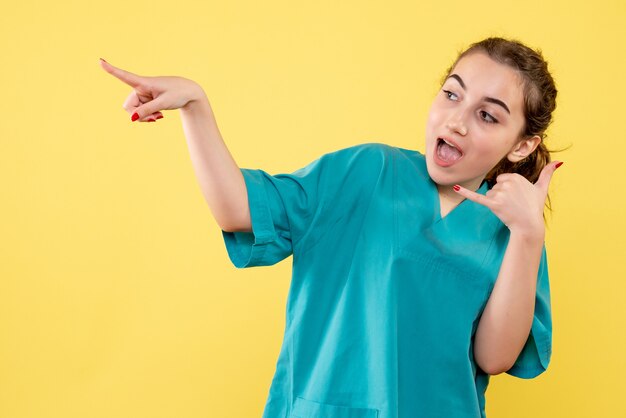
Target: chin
(437, 176)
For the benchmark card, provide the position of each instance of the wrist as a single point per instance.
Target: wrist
(535, 234)
(197, 97)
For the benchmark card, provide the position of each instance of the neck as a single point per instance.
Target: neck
(448, 197)
(448, 194)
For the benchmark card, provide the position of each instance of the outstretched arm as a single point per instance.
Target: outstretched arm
(220, 178)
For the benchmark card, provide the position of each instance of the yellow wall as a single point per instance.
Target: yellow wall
(117, 298)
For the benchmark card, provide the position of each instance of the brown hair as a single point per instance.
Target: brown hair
(539, 102)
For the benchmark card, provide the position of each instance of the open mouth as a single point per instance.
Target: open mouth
(447, 152)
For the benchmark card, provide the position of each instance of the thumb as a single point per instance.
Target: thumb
(546, 175)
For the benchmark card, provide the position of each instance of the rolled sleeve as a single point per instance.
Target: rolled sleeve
(282, 207)
(289, 211)
(247, 249)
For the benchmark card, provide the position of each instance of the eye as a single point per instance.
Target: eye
(448, 93)
(492, 119)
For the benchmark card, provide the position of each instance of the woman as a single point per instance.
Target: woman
(415, 276)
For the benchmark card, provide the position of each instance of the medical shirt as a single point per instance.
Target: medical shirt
(385, 295)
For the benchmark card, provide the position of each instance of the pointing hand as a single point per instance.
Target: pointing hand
(150, 95)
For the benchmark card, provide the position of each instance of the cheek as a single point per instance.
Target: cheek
(434, 117)
(490, 153)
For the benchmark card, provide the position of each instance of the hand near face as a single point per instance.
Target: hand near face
(515, 201)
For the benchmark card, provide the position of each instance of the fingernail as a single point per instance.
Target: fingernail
(159, 117)
(135, 117)
(558, 164)
(151, 120)
(456, 187)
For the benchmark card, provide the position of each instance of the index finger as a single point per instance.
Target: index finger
(473, 196)
(127, 77)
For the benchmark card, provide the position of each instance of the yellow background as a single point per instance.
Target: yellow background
(117, 297)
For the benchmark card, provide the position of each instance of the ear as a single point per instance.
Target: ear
(523, 149)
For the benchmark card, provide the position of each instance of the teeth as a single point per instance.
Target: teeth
(452, 145)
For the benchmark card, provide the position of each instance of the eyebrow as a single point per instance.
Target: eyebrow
(487, 99)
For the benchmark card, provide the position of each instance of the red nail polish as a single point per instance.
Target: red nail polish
(159, 117)
(135, 117)
(456, 187)
(151, 120)
(558, 164)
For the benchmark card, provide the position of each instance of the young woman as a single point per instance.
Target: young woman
(415, 276)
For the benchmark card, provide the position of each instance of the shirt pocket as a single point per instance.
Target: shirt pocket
(304, 408)
(448, 291)
(452, 270)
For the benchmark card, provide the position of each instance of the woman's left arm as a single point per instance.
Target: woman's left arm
(507, 319)
(506, 322)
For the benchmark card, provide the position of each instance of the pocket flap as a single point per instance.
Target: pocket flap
(304, 408)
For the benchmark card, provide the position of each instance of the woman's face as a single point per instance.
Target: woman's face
(479, 110)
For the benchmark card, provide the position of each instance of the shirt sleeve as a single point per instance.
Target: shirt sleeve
(284, 207)
(535, 356)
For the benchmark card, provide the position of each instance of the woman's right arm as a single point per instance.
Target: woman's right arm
(220, 178)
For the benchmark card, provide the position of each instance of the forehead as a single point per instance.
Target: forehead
(483, 76)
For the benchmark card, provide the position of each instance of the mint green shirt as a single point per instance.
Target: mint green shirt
(385, 295)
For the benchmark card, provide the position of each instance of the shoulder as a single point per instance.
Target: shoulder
(369, 154)
(404, 160)
(364, 161)
(371, 159)
(355, 168)
(365, 151)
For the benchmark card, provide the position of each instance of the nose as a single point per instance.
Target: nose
(457, 124)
